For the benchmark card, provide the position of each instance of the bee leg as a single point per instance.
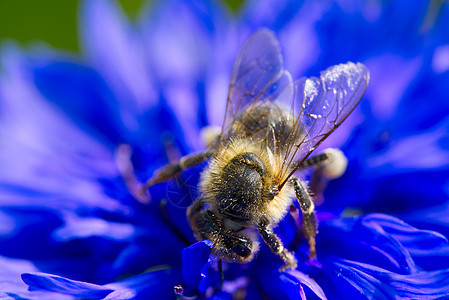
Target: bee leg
(309, 224)
(193, 212)
(328, 165)
(313, 161)
(220, 269)
(332, 163)
(276, 246)
(171, 170)
(194, 209)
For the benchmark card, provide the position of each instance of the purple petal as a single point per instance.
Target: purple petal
(364, 239)
(291, 284)
(271, 14)
(422, 285)
(435, 218)
(116, 50)
(383, 242)
(77, 227)
(386, 89)
(351, 283)
(154, 284)
(53, 283)
(45, 156)
(353, 280)
(12, 286)
(440, 60)
(428, 249)
(200, 29)
(402, 154)
(299, 277)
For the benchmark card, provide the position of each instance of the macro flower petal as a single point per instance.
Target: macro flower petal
(292, 284)
(199, 28)
(360, 281)
(67, 209)
(195, 260)
(53, 283)
(154, 284)
(69, 156)
(295, 277)
(116, 50)
(83, 94)
(11, 285)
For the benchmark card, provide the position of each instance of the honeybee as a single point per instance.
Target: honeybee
(272, 125)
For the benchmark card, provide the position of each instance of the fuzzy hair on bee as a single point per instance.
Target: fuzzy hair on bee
(272, 125)
(238, 181)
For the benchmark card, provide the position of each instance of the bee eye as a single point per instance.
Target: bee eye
(242, 250)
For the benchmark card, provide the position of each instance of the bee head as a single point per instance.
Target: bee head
(229, 245)
(236, 248)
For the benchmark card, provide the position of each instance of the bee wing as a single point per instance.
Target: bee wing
(322, 104)
(258, 74)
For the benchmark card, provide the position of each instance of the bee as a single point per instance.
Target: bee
(272, 125)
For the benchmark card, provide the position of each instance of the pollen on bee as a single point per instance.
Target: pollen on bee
(209, 134)
(337, 164)
(316, 116)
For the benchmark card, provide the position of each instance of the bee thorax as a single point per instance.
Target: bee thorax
(241, 186)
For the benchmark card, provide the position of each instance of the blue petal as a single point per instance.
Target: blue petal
(292, 284)
(415, 112)
(45, 156)
(300, 279)
(428, 249)
(422, 285)
(12, 287)
(271, 14)
(53, 283)
(158, 246)
(384, 241)
(386, 89)
(194, 258)
(390, 175)
(365, 239)
(155, 284)
(83, 95)
(389, 259)
(435, 218)
(355, 30)
(342, 281)
(355, 280)
(30, 225)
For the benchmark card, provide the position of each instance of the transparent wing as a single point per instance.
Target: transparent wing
(322, 104)
(261, 91)
(258, 75)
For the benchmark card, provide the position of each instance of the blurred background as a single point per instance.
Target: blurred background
(54, 22)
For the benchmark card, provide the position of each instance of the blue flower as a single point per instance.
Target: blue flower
(73, 225)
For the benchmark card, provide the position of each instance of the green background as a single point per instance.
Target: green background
(52, 21)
